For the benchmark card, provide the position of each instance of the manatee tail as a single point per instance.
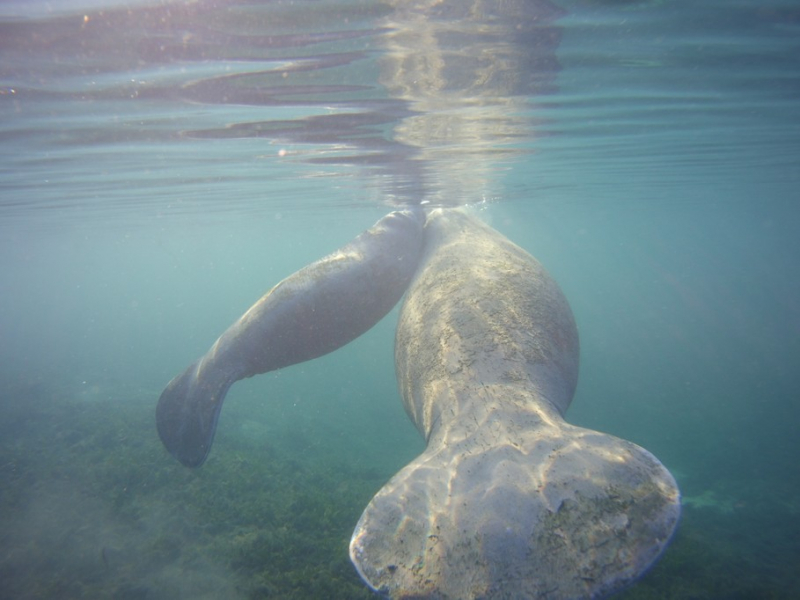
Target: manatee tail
(187, 413)
(565, 513)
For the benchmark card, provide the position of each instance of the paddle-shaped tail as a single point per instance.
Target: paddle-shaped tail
(310, 313)
(508, 500)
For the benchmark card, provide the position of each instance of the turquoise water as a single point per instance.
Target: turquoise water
(163, 166)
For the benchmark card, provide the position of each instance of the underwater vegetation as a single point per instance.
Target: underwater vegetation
(91, 506)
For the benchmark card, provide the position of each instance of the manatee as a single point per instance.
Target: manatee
(310, 313)
(508, 500)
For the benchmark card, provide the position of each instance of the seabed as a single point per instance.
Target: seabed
(92, 507)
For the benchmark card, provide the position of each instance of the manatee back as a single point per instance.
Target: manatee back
(481, 309)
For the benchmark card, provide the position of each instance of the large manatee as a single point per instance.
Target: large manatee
(310, 313)
(507, 500)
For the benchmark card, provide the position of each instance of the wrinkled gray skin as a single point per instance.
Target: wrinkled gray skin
(508, 500)
(310, 313)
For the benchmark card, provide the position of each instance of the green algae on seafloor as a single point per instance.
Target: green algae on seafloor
(92, 507)
(252, 524)
(705, 563)
(711, 500)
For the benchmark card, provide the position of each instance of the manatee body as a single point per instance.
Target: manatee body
(312, 312)
(507, 500)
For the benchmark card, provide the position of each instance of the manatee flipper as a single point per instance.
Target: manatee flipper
(507, 500)
(310, 313)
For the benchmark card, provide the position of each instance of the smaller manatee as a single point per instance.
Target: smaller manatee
(310, 313)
